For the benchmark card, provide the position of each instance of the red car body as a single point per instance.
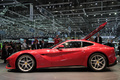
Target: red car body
(55, 57)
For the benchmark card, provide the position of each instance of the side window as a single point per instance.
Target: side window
(72, 44)
(86, 44)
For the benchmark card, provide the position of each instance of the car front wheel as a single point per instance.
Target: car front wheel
(25, 63)
(97, 62)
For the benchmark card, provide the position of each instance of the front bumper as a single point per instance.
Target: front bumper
(9, 67)
(116, 61)
(10, 63)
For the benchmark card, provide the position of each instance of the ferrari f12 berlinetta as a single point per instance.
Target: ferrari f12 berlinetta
(69, 53)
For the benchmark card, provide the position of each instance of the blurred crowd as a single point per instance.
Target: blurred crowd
(9, 47)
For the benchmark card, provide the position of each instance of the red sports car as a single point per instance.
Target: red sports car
(69, 53)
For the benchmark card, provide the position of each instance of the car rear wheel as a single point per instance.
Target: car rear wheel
(97, 62)
(25, 63)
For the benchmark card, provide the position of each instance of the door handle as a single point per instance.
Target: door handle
(43, 54)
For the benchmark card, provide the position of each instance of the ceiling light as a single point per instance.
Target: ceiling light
(87, 15)
(112, 2)
(56, 11)
(73, 10)
(94, 15)
(106, 20)
(91, 4)
(95, 3)
(53, 7)
(80, 5)
(72, 6)
(101, 14)
(110, 14)
(115, 13)
(92, 9)
(98, 20)
(59, 5)
(3, 5)
(49, 6)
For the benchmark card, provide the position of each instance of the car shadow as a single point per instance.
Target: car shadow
(83, 69)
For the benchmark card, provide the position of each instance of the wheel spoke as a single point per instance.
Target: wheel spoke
(29, 65)
(93, 60)
(101, 58)
(100, 65)
(101, 62)
(95, 65)
(26, 66)
(29, 61)
(22, 61)
(22, 66)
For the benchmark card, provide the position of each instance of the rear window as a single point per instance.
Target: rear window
(87, 44)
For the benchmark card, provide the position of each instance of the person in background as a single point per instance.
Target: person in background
(60, 40)
(65, 39)
(98, 39)
(119, 48)
(43, 44)
(56, 40)
(24, 45)
(35, 45)
(91, 39)
(36, 40)
(29, 47)
(110, 43)
(6, 51)
(73, 38)
(12, 45)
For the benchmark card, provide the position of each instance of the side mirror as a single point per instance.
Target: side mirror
(60, 47)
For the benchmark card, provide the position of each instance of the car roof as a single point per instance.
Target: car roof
(79, 40)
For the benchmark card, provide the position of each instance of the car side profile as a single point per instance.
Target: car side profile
(68, 53)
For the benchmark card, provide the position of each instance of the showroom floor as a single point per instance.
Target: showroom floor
(72, 73)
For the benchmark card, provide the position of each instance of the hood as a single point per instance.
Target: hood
(95, 31)
(36, 51)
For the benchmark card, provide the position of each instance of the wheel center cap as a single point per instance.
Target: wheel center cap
(97, 62)
(25, 63)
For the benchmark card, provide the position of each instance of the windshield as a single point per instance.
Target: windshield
(55, 45)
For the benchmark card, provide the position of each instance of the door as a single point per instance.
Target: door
(50, 58)
(71, 54)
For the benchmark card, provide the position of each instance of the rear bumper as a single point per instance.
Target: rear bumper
(116, 61)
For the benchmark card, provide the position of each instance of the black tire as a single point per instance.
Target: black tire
(25, 63)
(97, 62)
